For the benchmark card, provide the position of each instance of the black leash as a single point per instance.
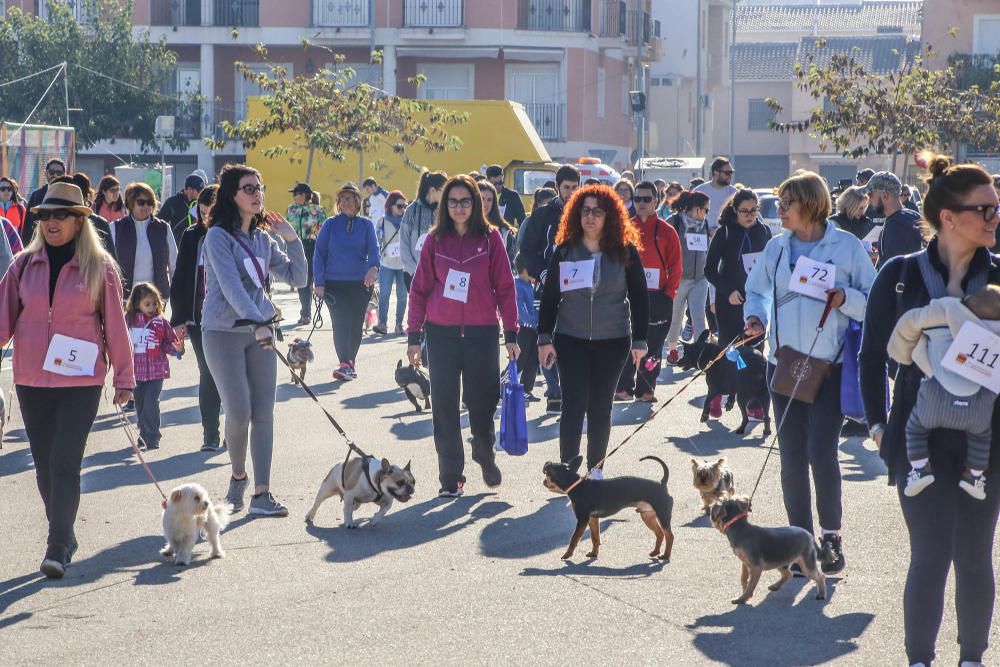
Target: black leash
(317, 318)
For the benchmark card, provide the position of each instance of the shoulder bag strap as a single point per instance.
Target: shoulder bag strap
(390, 239)
(774, 287)
(253, 259)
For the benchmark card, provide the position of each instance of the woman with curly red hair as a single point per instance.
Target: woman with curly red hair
(595, 309)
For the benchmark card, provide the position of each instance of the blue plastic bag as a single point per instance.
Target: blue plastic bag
(513, 417)
(850, 381)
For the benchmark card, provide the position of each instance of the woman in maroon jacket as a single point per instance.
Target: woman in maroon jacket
(463, 278)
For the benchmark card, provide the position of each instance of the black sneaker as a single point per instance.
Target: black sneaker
(491, 474)
(209, 446)
(452, 493)
(152, 445)
(129, 406)
(974, 485)
(917, 480)
(796, 570)
(55, 562)
(832, 554)
(380, 329)
(553, 406)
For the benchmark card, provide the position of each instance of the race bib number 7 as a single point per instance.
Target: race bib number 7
(576, 275)
(975, 355)
(811, 278)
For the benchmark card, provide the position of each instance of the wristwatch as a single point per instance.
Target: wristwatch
(875, 430)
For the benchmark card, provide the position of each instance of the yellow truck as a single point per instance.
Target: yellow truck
(497, 132)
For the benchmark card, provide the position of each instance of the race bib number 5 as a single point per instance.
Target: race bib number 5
(975, 355)
(811, 278)
(71, 357)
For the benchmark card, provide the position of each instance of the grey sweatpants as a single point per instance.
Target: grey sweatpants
(693, 294)
(936, 408)
(246, 376)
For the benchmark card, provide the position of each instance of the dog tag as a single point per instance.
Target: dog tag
(697, 242)
(71, 357)
(252, 270)
(419, 245)
(749, 260)
(652, 278)
(392, 250)
(456, 285)
(974, 355)
(811, 278)
(576, 275)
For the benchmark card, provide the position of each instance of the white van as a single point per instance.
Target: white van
(592, 167)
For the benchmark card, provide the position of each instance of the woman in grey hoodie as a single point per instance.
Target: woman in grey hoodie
(418, 219)
(239, 255)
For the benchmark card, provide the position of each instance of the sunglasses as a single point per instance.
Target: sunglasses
(254, 189)
(6, 188)
(597, 212)
(144, 202)
(460, 203)
(55, 172)
(60, 214)
(747, 211)
(989, 211)
(643, 199)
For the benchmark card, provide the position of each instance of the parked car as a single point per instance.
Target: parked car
(769, 210)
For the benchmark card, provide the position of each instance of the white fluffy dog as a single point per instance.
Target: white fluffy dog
(190, 513)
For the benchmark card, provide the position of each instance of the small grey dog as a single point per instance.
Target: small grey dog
(762, 549)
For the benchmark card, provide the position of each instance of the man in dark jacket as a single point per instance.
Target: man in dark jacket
(540, 235)
(54, 168)
(901, 230)
(176, 211)
(511, 206)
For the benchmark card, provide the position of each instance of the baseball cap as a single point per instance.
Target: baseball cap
(865, 174)
(301, 188)
(194, 181)
(884, 181)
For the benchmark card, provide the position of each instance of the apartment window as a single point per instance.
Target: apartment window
(759, 115)
(602, 93)
(447, 81)
(188, 79)
(363, 73)
(986, 34)
(246, 88)
(537, 88)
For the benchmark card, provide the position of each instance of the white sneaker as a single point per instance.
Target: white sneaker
(917, 480)
(974, 485)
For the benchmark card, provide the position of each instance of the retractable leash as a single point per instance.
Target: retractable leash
(798, 379)
(130, 435)
(733, 344)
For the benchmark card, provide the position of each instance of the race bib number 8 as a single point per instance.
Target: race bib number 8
(697, 242)
(975, 355)
(456, 286)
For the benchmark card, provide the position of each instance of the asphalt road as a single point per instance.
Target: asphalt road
(477, 580)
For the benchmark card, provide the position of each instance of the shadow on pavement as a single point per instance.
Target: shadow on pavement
(540, 532)
(708, 444)
(587, 568)
(755, 635)
(864, 464)
(15, 461)
(406, 528)
(373, 400)
(132, 473)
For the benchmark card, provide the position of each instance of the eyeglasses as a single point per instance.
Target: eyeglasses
(144, 202)
(786, 204)
(55, 172)
(643, 199)
(465, 202)
(497, 184)
(747, 211)
(59, 214)
(6, 188)
(252, 189)
(989, 211)
(727, 172)
(597, 212)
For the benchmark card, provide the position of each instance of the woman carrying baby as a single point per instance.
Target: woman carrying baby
(947, 524)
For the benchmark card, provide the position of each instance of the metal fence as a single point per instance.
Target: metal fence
(547, 117)
(341, 13)
(554, 15)
(433, 13)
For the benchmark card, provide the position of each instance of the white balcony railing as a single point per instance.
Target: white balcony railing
(547, 117)
(432, 13)
(340, 13)
(241, 13)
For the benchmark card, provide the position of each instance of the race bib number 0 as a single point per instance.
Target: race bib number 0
(576, 275)
(456, 285)
(419, 245)
(652, 278)
(749, 260)
(975, 355)
(811, 278)
(697, 242)
(71, 357)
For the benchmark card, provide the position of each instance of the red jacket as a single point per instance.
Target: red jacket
(665, 254)
(490, 284)
(25, 315)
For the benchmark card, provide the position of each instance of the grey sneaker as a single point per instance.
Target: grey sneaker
(209, 446)
(264, 504)
(237, 489)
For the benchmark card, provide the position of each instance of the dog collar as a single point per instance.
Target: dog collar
(741, 515)
(574, 485)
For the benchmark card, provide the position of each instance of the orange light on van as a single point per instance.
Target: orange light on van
(588, 160)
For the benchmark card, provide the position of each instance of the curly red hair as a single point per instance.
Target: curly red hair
(619, 230)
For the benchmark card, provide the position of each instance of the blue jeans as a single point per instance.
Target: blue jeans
(386, 278)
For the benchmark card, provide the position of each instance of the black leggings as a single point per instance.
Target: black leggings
(589, 372)
(209, 401)
(57, 421)
(642, 380)
(947, 526)
(730, 318)
(347, 301)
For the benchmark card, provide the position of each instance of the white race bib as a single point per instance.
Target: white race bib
(697, 242)
(456, 285)
(974, 355)
(252, 270)
(576, 275)
(140, 339)
(652, 278)
(71, 357)
(503, 210)
(749, 259)
(419, 245)
(811, 278)
(392, 250)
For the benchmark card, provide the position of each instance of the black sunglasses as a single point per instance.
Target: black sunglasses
(55, 172)
(643, 199)
(6, 188)
(59, 214)
(144, 202)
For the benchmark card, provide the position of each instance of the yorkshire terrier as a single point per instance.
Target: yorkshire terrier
(299, 354)
(713, 480)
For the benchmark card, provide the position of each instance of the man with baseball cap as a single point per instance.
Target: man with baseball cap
(306, 219)
(176, 211)
(901, 230)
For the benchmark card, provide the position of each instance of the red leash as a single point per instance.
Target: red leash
(130, 434)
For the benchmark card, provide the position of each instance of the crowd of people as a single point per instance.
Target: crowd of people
(596, 286)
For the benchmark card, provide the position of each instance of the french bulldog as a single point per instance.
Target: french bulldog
(382, 484)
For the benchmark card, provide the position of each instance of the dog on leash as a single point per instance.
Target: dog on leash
(741, 385)
(415, 385)
(189, 514)
(381, 483)
(299, 354)
(762, 549)
(596, 499)
(714, 481)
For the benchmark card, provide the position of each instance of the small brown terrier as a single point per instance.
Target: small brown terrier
(299, 354)
(713, 480)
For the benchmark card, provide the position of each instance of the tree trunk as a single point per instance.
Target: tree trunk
(309, 164)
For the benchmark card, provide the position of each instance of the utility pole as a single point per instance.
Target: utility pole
(697, 104)
(640, 82)
(732, 84)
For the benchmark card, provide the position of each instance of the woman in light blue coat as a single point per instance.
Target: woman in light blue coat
(810, 435)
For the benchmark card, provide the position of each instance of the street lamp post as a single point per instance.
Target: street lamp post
(637, 100)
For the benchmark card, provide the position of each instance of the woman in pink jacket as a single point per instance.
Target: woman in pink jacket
(463, 278)
(61, 301)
